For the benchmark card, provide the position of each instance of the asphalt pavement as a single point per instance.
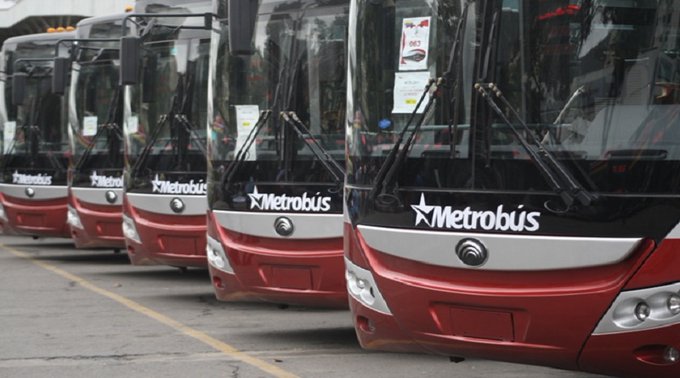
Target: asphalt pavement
(88, 313)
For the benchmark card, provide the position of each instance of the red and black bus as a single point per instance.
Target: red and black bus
(276, 151)
(512, 181)
(165, 116)
(36, 149)
(96, 134)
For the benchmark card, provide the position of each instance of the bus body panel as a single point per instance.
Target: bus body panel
(42, 214)
(101, 221)
(282, 270)
(166, 238)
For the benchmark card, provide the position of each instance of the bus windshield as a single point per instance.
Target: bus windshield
(40, 141)
(95, 115)
(166, 128)
(297, 68)
(596, 82)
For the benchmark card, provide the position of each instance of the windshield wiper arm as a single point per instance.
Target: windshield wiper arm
(332, 166)
(110, 126)
(243, 152)
(557, 175)
(385, 176)
(578, 92)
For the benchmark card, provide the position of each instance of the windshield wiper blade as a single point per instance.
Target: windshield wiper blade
(332, 166)
(243, 152)
(191, 129)
(557, 175)
(110, 126)
(382, 191)
(149, 145)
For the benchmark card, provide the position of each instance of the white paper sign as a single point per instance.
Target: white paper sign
(8, 134)
(89, 126)
(415, 43)
(246, 118)
(408, 88)
(132, 125)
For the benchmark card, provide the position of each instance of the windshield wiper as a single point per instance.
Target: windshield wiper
(175, 116)
(331, 165)
(556, 174)
(112, 129)
(242, 152)
(382, 192)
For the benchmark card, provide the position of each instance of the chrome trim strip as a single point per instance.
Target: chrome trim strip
(160, 203)
(621, 314)
(97, 195)
(307, 226)
(506, 252)
(42, 192)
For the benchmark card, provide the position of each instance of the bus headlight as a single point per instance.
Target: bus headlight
(674, 304)
(130, 230)
(3, 215)
(72, 218)
(217, 257)
(642, 311)
(637, 310)
(362, 287)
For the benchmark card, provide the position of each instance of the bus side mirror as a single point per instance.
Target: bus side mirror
(242, 17)
(60, 75)
(19, 80)
(130, 50)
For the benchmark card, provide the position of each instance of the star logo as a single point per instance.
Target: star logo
(423, 211)
(93, 178)
(256, 199)
(156, 182)
(15, 177)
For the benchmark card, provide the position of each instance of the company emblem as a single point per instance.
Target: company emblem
(284, 226)
(30, 192)
(177, 205)
(39, 179)
(517, 220)
(176, 187)
(103, 181)
(270, 201)
(111, 196)
(471, 252)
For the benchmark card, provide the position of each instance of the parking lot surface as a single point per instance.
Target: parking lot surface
(85, 313)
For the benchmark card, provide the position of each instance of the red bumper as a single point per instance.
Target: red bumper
(102, 225)
(303, 272)
(544, 318)
(44, 218)
(175, 240)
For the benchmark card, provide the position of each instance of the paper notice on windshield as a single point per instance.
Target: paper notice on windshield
(89, 126)
(8, 134)
(408, 88)
(246, 118)
(415, 42)
(132, 125)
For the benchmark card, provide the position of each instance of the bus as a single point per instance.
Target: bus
(35, 139)
(165, 64)
(512, 188)
(276, 152)
(96, 134)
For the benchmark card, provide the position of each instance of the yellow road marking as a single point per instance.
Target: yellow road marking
(155, 315)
